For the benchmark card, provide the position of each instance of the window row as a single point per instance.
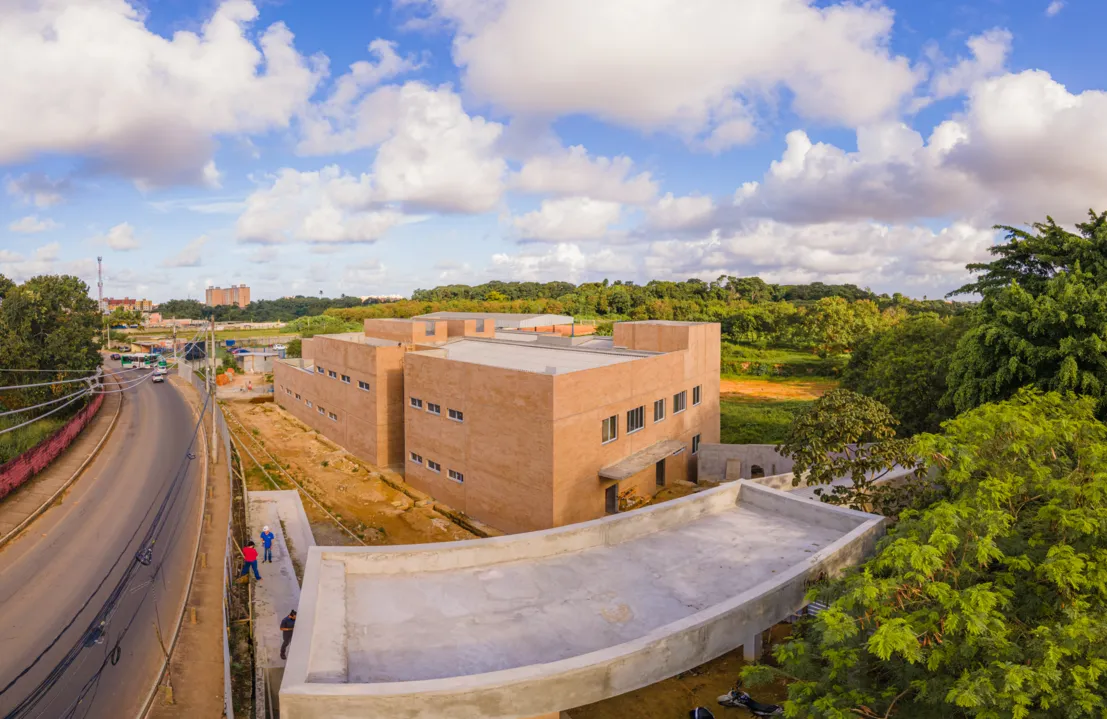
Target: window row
(437, 468)
(322, 410)
(636, 418)
(345, 378)
(455, 414)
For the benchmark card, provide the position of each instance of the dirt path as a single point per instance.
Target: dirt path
(352, 490)
(757, 388)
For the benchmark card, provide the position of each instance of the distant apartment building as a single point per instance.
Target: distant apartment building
(520, 429)
(233, 295)
(110, 304)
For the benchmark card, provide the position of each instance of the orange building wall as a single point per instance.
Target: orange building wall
(407, 331)
(504, 446)
(370, 422)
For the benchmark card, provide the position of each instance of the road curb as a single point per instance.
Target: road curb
(69, 482)
(149, 703)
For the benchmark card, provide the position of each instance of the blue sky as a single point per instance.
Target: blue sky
(372, 148)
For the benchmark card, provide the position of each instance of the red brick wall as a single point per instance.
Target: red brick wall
(17, 471)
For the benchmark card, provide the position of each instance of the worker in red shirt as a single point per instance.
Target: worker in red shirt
(250, 560)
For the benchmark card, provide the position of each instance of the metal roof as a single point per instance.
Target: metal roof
(527, 357)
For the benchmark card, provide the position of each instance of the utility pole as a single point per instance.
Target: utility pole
(100, 299)
(211, 387)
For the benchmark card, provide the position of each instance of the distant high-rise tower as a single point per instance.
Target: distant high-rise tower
(233, 295)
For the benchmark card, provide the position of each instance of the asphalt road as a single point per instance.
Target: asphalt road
(78, 551)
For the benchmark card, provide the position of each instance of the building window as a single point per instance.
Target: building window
(610, 429)
(434, 466)
(480, 325)
(309, 403)
(332, 374)
(434, 408)
(322, 411)
(658, 410)
(680, 402)
(346, 379)
(320, 370)
(636, 419)
(457, 415)
(695, 444)
(363, 385)
(297, 396)
(417, 458)
(333, 416)
(696, 395)
(288, 391)
(416, 403)
(457, 476)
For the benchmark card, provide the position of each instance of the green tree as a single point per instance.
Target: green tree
(988, 604)
(905, 368)
(845, 434)
(834, 325)
(294, 349)
(1043, 319)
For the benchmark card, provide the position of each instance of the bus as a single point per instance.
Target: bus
(146, 360)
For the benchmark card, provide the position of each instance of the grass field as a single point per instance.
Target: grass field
(759, 410)
(13, 444)
(739, 360)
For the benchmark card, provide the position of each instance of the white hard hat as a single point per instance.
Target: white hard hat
(265, 528)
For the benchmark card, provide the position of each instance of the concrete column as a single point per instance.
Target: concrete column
(751, 648)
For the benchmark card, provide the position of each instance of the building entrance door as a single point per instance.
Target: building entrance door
(611, 499)
(660, 472)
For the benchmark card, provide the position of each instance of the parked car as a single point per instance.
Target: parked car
(158, 377)
(115, 355)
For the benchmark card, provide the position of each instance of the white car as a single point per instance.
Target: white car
(158, 378)
(160, 372)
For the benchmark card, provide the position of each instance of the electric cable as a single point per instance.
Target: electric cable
(44, 404)
(46, 414)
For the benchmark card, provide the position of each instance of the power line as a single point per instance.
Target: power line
(76, 397)
(44, 404)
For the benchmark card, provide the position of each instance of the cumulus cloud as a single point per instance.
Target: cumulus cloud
(191, 255)
(31, 224)
(328, 206)
(989, 56)
(38, 189)
(1024, 147)
(699, 68)
(121, 238)
(572, 172)
(569, 220)
(676, 213)
(565, 261)
(43, 261)
(1055, 7)
(93, 81)
(862, 253)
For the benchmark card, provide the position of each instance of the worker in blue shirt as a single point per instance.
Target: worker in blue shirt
(267, 541)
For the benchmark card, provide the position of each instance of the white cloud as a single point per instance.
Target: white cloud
(567, 262)
(1024, 147)
(989, 56)
(675, 213)
(20, 268)
(572, 172)
(862, 253)
(191, 255)
(570, 219)
(31, 224)
(93, 81)
(695, 67)
(121, 238)
(1055, 7)
(37, 189)
(202, 205)
(327, 206)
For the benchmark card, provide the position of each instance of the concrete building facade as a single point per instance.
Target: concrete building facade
(519, 434)
(233, 295)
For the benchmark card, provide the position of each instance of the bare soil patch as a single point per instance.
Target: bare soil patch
(757, 388)
(353, 490)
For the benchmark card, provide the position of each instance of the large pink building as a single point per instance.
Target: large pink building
(520, 430)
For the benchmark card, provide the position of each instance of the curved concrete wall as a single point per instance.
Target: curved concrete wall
(315, 677)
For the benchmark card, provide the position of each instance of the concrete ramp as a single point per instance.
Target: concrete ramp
(533, 624)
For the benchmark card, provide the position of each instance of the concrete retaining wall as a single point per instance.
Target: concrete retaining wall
(21, 469)
(315, 677)
(713, 460)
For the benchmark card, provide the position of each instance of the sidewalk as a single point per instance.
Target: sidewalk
(279, 591)
(196, 664)
(20, 507)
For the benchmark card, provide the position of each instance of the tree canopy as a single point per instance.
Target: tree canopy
(991, 603)
(1043, 318)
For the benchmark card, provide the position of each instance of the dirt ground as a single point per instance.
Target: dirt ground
(350, 489)
(758, 388)
(699, 687)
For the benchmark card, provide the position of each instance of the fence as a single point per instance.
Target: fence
(231, 600)
(19, 470)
